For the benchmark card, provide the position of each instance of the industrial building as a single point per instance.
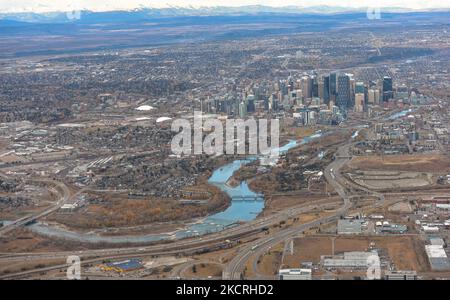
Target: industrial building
(123, 266)
(295, 274)
(437, 241)
(393, 228)
(400, 275)
(350, 226)
(437, 257)
(350, 260)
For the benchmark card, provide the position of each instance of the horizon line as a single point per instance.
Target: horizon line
(298, 8)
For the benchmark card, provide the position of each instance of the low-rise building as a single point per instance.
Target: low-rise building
(437, 257)
(295, 274)
(123, 266)
(353, 226)
(350, 260)
(437, 241)
(393, 228)
(400, 275)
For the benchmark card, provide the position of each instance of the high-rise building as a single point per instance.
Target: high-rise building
(360, 96)
(266, 104)
(250, 103)
(359, 102)
(321, 90)
(343, 100)
(274, 102)
(333, 87)
(371, 95)
(352, 91)
(326, 89)
(388, 91)
(307, 87)
(359, 88)
(291, 84)
(402, 92)
(315, 87)
(242, 110)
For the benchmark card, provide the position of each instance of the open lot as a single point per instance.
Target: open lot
(204, 270)
(424, 163)
(378, 180)
(405, 252)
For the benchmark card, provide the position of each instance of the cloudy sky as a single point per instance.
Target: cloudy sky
(105, 5)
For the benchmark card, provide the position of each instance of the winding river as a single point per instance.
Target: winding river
(246, 206)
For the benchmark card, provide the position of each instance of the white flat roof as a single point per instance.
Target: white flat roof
(435, 251)
(162, 119)
(295, 271)
(145, 108)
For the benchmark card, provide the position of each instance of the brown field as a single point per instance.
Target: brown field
(422, 163)
(406, 252)
(10, 158)
(21, 240)
(203, 270)
(22, 265)
(298, 132)
(119, 210)
(269, 264)
(279, 202)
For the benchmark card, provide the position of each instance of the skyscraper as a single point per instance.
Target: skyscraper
(388, 92)
(333, 86)
(242, 110)
(321, 90)
(343, 100)
(315, 87)
(307, 87)
(359, 96)
(326, 89)
(359, 89)
(291, 85)
(359, 102)
(250, 103)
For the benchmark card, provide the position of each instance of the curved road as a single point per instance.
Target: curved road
(235, 267)
(65, 196)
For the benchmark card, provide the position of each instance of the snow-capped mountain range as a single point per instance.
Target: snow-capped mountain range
(146, 12)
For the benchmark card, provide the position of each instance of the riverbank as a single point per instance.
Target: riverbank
(245, 206)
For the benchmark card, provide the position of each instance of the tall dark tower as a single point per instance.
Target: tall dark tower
(388, 91)
(326, 89)
(315, 87)
(333, 86)
(291, 85)
(343, 100)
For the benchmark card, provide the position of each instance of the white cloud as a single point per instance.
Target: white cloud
(105, 5)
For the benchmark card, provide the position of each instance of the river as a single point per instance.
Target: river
(245, 207)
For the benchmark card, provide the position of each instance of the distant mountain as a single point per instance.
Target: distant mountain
(149, 13)
(55, 33)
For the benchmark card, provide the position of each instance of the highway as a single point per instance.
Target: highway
(235, 267)
(65, 196)
(186, 247)
(193, 245)
(334, 177)
(342, 186)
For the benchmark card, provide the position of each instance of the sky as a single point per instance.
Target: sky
(107, 5)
